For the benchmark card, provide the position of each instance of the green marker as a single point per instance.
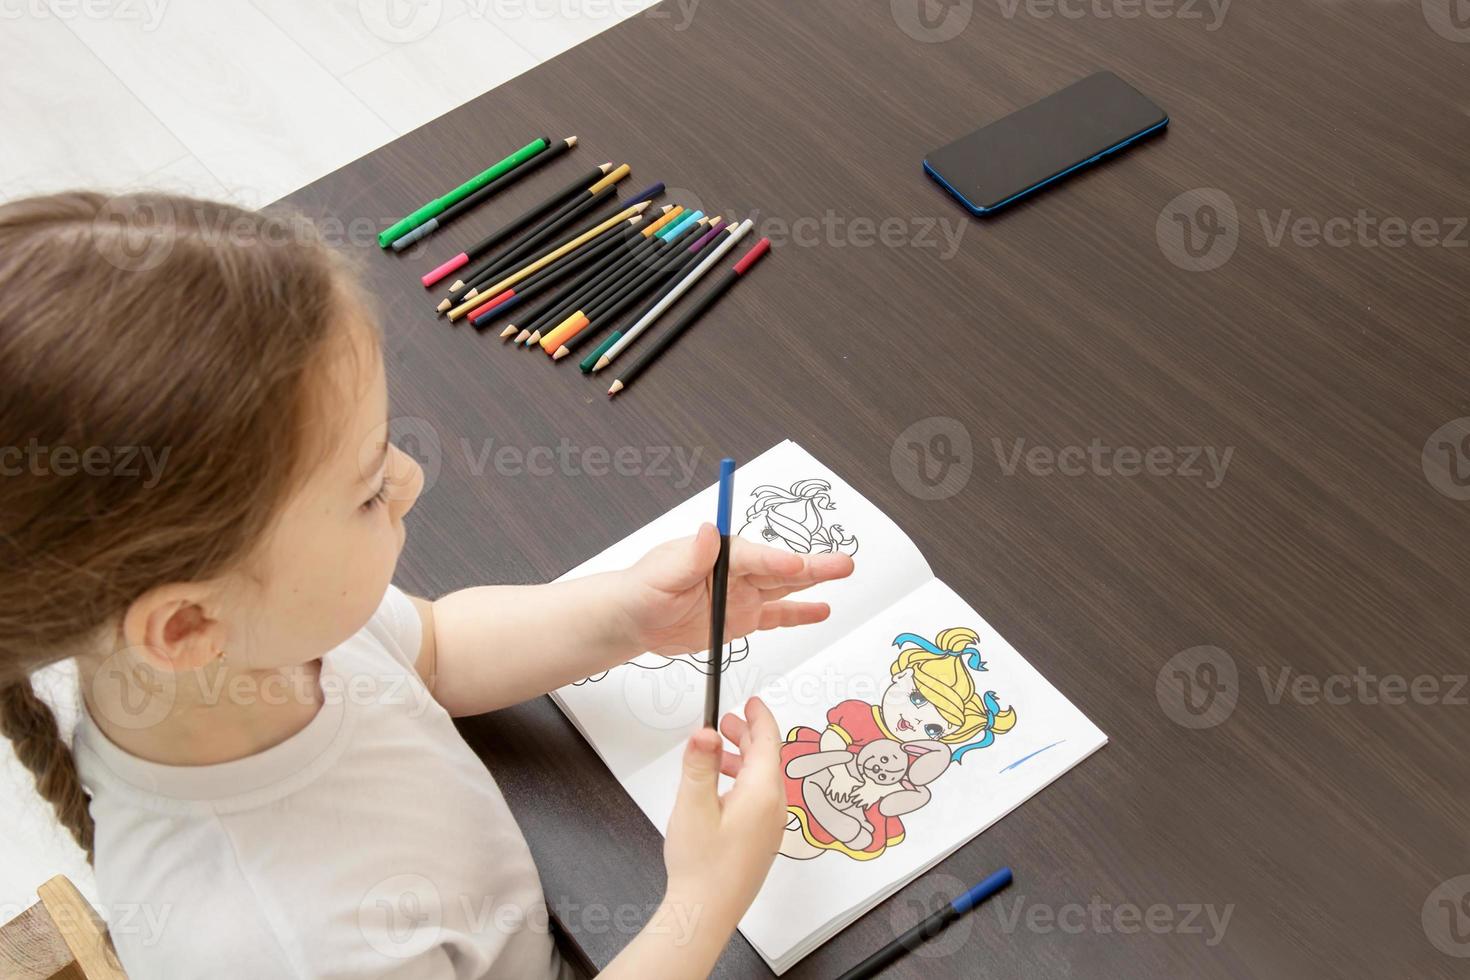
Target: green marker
(591, 359)
(437, 206)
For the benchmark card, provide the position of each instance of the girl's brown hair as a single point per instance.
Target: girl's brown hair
(128, 326)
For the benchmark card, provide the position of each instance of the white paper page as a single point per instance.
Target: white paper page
(635, 713)
(806, 900)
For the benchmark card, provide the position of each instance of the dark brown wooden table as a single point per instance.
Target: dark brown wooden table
(1322, 354)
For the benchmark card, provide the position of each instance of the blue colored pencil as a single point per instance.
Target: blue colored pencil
(929, 927)
(719, 586)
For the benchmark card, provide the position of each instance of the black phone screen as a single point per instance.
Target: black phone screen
(1043, 141)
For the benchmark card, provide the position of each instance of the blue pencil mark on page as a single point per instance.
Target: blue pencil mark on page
(1032, 755)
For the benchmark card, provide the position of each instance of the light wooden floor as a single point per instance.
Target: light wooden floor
(250, 99)
(244, 100)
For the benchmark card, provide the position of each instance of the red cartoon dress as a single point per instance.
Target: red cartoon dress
(858, 723)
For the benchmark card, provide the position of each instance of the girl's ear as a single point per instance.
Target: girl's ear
(171, 629)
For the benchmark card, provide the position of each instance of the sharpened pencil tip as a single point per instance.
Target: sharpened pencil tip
(642, 206)
(521, 336)
(472, 294)
(606, 167)
(506, 333)
(617, 386)
(561, 352)
(532, 340)
(444, 306)
(602, 362)
(458, 284)
(570, 141)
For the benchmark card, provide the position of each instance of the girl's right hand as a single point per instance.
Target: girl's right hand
(717, 852)
(719, 849)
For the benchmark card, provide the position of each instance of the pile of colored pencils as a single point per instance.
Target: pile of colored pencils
(588, 269)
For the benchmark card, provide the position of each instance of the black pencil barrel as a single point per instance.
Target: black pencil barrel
(719, 586)
(685, 322)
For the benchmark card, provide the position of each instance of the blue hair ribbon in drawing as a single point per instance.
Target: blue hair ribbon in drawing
(970, 653)
(992, 709)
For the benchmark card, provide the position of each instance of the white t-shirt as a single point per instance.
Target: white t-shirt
(372, 843)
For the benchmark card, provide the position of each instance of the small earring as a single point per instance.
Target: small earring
(220, 656)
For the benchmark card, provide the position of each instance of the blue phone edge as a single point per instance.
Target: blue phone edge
(980, 211)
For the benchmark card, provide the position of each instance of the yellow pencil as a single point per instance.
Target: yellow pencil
(669, 211)
(625, 215)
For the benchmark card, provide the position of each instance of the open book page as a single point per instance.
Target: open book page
(785, 499)
(906, 738)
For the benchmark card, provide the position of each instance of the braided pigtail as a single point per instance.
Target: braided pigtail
(31, 727)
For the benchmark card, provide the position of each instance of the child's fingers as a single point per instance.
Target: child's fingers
(777, 615)
(698, 797)
(730, 764)
(749, 558)
(813, 569)
(682, 563)
(760, 753)
(733, 727)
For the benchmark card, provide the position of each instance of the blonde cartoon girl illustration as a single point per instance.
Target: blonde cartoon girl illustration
(931, 711)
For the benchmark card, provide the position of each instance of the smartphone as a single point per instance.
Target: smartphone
(1044, 142)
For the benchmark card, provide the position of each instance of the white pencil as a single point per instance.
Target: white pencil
(673, 295)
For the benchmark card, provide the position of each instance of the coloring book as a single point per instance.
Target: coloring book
(910, 724)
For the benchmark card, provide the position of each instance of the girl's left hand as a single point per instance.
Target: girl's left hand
(667, 596)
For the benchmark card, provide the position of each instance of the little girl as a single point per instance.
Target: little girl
(199, 506)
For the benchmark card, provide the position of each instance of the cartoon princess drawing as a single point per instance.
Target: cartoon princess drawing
(794, 518)
(842, 792)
